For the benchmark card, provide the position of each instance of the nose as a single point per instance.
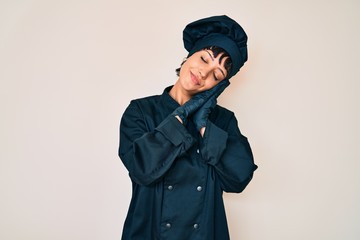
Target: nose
(203, 72)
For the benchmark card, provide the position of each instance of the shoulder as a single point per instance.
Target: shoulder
(149, 107)
(223, 112)
(145, 101)
(222, 116)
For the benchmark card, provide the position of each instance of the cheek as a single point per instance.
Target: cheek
(210, 83)
(184, 68)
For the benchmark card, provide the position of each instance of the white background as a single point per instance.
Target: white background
(68, 69)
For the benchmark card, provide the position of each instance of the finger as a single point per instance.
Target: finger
(216, 90)
(221, 87)
(199, 99)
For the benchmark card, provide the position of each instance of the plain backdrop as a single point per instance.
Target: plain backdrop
(68, 70)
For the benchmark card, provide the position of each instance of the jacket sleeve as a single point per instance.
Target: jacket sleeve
(230, 154)
(149, 153)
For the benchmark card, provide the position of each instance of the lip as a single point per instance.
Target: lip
(194, 78)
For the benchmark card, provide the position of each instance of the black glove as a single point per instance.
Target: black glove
(201, 116)
(198, 100)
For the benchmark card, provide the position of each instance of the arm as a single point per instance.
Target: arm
(230, 154)
(148, 154)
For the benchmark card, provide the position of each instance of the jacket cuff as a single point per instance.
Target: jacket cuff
(214, 143)
(175, 132)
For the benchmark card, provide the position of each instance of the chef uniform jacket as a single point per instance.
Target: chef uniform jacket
(178, 177)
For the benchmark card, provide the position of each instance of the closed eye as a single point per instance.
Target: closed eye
(216, 79)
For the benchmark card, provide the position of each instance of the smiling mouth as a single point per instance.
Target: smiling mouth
(194, 79)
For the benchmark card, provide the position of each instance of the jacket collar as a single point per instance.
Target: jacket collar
(167, 100)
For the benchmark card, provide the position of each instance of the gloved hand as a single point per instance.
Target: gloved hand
(201, 116)
(198, 100)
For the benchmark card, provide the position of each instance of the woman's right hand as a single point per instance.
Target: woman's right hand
(191, 106)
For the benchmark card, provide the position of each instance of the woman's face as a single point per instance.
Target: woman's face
(202, 71)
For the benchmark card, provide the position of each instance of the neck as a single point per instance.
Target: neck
(179, 94)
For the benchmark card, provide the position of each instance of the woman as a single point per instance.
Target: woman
(181, 149)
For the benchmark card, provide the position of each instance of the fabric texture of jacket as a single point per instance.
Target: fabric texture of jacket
(178, 177)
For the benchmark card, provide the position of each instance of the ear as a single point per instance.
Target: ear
(183, 61)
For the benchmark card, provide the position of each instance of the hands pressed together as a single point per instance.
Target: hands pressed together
(199, 107)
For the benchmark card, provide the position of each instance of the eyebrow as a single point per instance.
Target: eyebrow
(212, 58)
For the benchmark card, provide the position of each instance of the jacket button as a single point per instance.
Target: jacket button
(196, 226)
(170, 187)
(199, 188)
(168, 225)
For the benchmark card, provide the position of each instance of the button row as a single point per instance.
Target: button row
(195, 226)
(198, 188)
